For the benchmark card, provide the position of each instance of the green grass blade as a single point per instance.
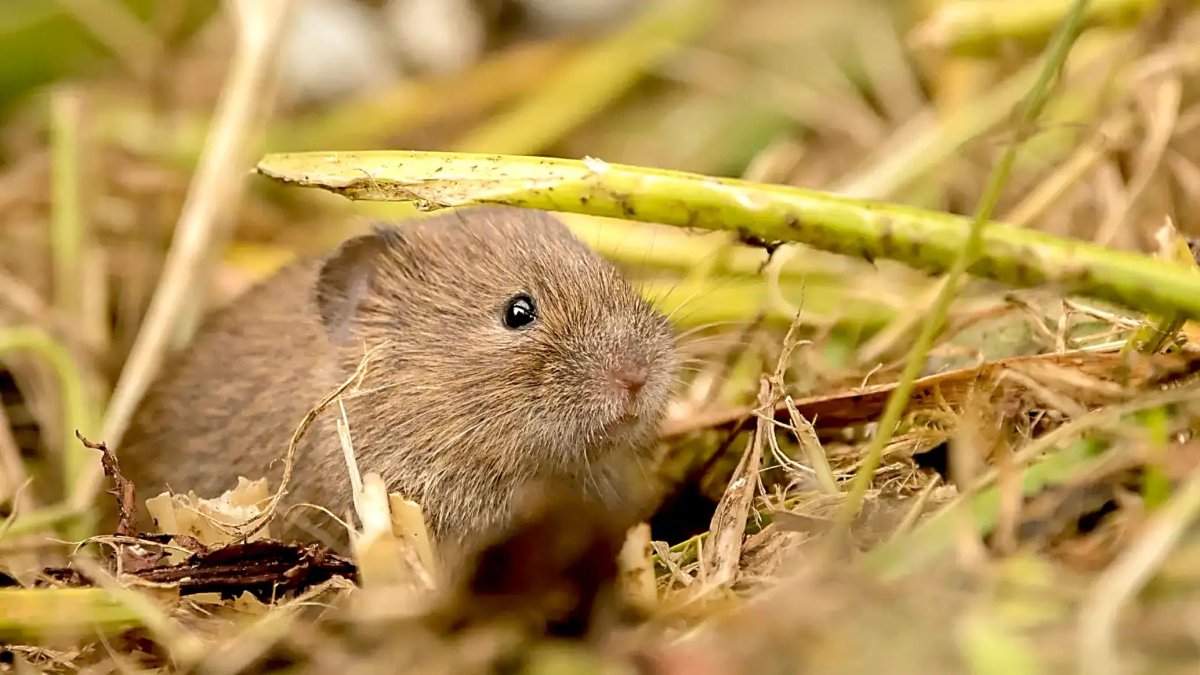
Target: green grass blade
(31, 614)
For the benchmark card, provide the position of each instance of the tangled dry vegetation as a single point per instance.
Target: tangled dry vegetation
(1033, 511)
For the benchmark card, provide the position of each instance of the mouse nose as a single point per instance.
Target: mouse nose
(630, 374)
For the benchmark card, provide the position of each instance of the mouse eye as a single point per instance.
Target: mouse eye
(520, 312)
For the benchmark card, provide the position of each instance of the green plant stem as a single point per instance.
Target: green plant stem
(76, 410)
(44, 517)
(978, 27)
(1156, 484)
(898, 400)
(67, 229)
(30, 614)
(927, 240)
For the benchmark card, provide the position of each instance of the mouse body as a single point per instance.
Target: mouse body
(504, 352)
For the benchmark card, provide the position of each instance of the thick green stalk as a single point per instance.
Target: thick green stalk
(927, 240)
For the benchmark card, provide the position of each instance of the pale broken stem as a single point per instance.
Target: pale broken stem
(800, 428)
(408, 522)
(383, 559)
(382, 556)
(343, 432)
(918, 508)
(215, 185)
(729, 521)
(785, 462)
(806, 436)
(1127, 575)
(1151, 149)
(637, 569)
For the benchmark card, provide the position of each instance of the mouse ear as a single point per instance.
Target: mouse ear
(344, 280)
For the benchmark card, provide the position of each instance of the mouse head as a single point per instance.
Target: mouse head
(505, 333)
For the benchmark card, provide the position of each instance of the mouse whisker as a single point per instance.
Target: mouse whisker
(705, 326)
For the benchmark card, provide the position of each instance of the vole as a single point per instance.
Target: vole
(506, 351)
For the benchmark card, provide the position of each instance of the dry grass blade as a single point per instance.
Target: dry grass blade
(729, 521)
(1062, 454)
(1163, 118)
(356, 483)
(636, 568)
(810, 445)
(214, 188)
(592, 79)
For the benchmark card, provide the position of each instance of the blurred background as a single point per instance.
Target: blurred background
(123, 120)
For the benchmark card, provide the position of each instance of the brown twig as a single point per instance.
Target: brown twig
(122, 487)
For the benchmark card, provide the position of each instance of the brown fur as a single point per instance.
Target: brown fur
(456, 411)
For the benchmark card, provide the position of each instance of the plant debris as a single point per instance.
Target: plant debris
(1125, 374)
